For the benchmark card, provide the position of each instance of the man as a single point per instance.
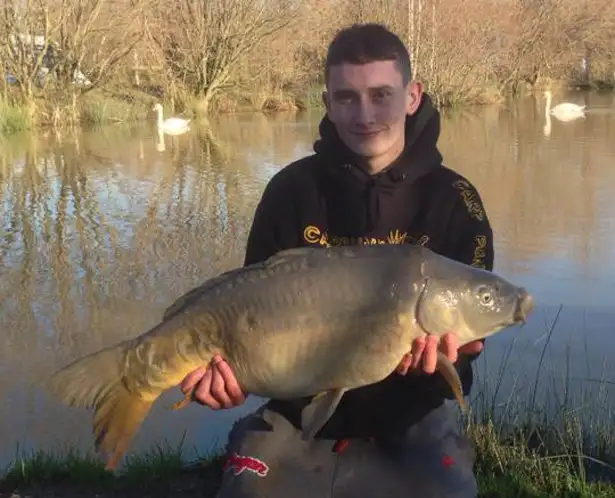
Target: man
(376, 177)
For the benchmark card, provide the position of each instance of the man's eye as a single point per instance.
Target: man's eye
(343, 99)
(381, 95)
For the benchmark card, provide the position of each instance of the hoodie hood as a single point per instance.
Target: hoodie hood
(343, 168)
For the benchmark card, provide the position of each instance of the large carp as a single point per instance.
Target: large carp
(308, 321)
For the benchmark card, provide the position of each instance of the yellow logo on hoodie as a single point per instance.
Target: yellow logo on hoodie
(314, 235)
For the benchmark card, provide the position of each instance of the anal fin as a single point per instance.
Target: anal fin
(449, 372)
(319, 411)
(184, 402)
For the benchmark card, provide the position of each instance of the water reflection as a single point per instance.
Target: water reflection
(549, 200)
(102, 230)
(550, 203)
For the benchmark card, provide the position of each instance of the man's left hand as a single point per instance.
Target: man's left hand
(424, 352)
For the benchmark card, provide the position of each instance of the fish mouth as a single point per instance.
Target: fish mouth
(525, 306)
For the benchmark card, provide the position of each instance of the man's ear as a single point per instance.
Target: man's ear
(415, 94)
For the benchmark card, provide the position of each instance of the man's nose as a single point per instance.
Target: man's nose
(365, 112)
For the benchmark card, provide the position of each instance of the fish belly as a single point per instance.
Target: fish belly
(300, 334)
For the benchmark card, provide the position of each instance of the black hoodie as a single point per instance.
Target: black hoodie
(329, 199)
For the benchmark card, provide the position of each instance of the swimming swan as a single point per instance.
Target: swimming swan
(565, 111)
(171, 126)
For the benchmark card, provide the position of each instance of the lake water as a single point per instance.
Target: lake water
(102, 230)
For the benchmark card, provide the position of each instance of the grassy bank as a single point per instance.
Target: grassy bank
(524, 449)
(565, 455)
(160, 472)
(102, 107)
(506, 467)
(244, 55)
(126, 104)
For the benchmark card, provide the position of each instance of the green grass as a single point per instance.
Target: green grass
(14, 118)
(122, 102)
(511, 467)
(105, 108)
(158, 472)
(522, 452)
(505, 469)
(96, 108)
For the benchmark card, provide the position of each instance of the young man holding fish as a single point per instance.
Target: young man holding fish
(376, 177)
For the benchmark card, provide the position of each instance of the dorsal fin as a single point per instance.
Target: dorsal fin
(195, 293)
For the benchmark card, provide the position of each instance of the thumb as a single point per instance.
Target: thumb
(472, 347)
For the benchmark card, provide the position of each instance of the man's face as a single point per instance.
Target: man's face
(368, 104)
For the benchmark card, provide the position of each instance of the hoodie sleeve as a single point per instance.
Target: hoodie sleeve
(471, 242)
(469, 229)
(271, 229)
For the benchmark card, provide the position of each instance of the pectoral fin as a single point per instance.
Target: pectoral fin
(317, 413)
(449, 372)
(183, 403)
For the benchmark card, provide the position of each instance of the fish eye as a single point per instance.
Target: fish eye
(485, 295)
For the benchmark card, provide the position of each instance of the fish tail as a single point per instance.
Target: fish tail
(117, 419)
(96, 381)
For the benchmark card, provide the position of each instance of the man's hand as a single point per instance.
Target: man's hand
(214, 385)
(425, 352)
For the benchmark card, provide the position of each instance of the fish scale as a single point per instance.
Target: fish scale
(306, 322)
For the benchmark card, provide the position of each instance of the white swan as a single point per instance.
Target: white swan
(565, 111)
(171, 126)
(160, 145)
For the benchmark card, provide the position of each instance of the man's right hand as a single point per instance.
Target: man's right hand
(214, 385)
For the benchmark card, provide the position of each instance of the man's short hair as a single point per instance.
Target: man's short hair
(364, 43)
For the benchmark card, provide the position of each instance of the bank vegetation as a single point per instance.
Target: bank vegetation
(564, 456)
(92, 61)
(542, 442)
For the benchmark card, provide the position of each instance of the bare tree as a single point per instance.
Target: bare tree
(46, 42)
(96, 36)
(25, 33)
(463, 51)
(203, 41)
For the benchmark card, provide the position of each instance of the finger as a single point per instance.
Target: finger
(430, 355)
(474, 347)
(218, 388)
(405, 364)
(234, 392)
(202, 393)
(192, 379)
(418, 345)
(215, 360)
(449, 346)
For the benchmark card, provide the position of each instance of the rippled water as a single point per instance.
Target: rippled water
(101, 230)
